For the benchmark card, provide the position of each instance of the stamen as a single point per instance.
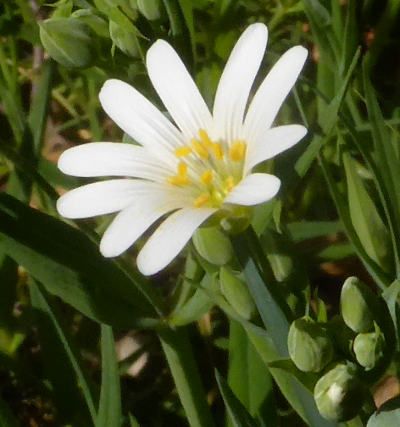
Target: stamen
(237, 151)
(182, 170)
(199, 148)
(207, 177)
(201, 200)
(230, 183)
(205, 139)
(217, 149)
(178, 180)
(183, 151)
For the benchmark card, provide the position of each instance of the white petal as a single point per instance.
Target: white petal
(177, 89)
(112, 159)
(254, 189)
(236, 81)
(273, 142)
(170, 238)
(138, 117)
(101, 198)
(133, 221)
(273, 91)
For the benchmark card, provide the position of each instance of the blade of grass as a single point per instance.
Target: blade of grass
(110, 396)
(236, 410)
(180, 357)
(61, 354)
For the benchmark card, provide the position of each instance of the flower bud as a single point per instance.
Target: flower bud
(236, 293)
(151, 9)
(213, 245)
(69, 41)
(309, 345)
(339, 394)
(369, 348)
(125, 40)
(358, 304)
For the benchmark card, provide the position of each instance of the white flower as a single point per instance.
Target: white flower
(189, 169)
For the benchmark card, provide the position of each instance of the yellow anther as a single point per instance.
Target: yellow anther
(199, 148)
(205, 139)
(182, 170)
(217, 149)
(201, 200)
(178, 180)
(229, 183)
(207, 177)
(183, 151)
(237, 151)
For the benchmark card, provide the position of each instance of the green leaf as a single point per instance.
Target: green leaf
(59, 358)
(197, 305)
(110, 395)
(248, 376)
(391, 296)
(366, 220)
(300, 231)
(388, 415)
(38, 112)
(69, 41)
(184, 370)
(70, 266)
(238, 413)
(263, 287)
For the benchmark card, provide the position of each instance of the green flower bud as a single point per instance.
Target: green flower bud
(369, 348)
(236, 293)
(309, 345)
(338, 394)
(358, 304)
(150, 9)
(69, 41)
(213, 245)
(124, 39)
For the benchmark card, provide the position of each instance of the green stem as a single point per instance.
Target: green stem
(180, 357)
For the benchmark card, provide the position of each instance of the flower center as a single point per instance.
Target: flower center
(208, 169)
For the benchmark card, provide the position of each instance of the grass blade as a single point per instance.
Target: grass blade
(110, 397)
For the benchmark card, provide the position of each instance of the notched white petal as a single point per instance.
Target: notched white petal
(254, 189)
(236, 81)
(177, 89)
(170, 238)
(272, 143)
(133, 221)
(112, 159)
(273, 91)
(139, 118)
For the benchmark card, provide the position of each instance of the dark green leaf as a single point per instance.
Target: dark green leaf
(70, 266)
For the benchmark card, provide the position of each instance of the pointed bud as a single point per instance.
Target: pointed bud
(309, 345)
(213, 245)
(357, 305)
(339, 394)
(236, 293)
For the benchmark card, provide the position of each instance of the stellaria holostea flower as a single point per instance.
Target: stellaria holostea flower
(189, 169)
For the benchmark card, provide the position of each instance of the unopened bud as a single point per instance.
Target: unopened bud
(213, 245)
(358, 304)
(369, 348)
(236, 293)
(309, 345)
(339, 394)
